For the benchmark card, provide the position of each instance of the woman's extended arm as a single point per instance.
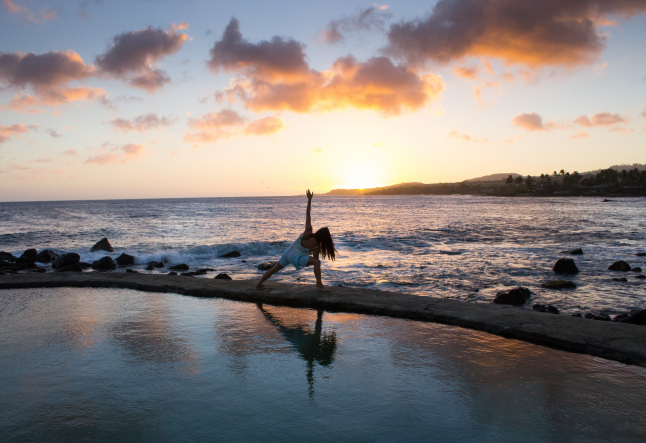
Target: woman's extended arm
(308, 218)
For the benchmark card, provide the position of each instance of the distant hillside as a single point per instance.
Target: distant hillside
(493, 177)
(620, 167)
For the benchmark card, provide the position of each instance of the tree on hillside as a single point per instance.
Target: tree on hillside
(562, 172)
(509, 180)
(529, 182)
(519, 180)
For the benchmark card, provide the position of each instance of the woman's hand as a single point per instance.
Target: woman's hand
(309, 195)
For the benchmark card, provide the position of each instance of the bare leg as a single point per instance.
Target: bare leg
(277, 267)
(317, 273)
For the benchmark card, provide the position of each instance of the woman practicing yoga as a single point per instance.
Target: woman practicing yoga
(306, 249)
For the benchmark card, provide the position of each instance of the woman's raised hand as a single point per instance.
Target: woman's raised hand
(309, 195)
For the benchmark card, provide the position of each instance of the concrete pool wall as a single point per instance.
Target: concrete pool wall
(622, 342)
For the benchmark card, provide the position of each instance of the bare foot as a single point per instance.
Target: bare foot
(322, 288)
(260, 286)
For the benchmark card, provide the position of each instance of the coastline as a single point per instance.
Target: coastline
(621, 342)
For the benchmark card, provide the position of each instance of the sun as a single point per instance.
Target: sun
(361, 176)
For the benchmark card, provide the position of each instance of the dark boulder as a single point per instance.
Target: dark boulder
(186, 274)
(84, 265)
(180, 267)
(605, 200)
(620, 279)
(619, 266)
(104, 264)
(66, 260)
(102, 245)
(266, 266)
(39, 270)
(565, 266)
(71, 268)
(549, 309)
(29, 256)
(577, 251)
(636, 269)
(602, 317)
(194, 273)
(636, 318)
(150, 268)
(231, 254)
(559, 284)
(131, 271)
(172, 273)
(7, 256)
(620, 317)
(46, 256)
(639, 254)
(516, 297)
(222, 276)
(125, 260)
(640, 276)
(577, 314)
(156, 264)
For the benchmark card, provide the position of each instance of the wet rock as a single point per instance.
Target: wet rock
(266, 266)
(29, 256)
(156, 264)
(636, 318)
(125, 260)
(620, 317)
(84, 265)
(577, 251)
(605, 200)
(6, 256)
(542, 308)
(131, 271)
(619, 266)
(39, 270)
(641, 254)
(66, 260)
(172, 273)
(559, 284)
(150, 268)
(565, 266)
(602, 317)
(222, 276)
(180, 267)
(620, 279)
(187, 274)
(231, 254)
(578, 314)
(71, 268)
(102, 245)
(104, 264)
(640, 276)
(46, 256)
(636, 269)
(515, 297)
(198, 272)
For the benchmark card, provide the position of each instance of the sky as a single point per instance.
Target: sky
(108, 99)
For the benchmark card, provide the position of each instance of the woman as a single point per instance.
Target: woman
(306, 249)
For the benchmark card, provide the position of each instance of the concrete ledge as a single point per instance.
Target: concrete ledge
(614, 341)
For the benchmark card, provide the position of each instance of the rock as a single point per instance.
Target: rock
(7, 256)
(66, 260)
(29, 256)
(516, 297)
(559, 284)
(198, 272)
(39, 270)
(577, 251)
(621, 279)
(636, 269)
(639, 254)
(602, 317)
(640, 276)
(102, 245)
(156, 264)
(131, 271)
(150, 268)
(46, 256)
(180, 267)
(231, 254)
(75, 267)
(552, 309)
(125, 260)
(565, 266)
(605, 200)
(222, 276)
(266, 266)
(84, 265)
(104, 264)
(578, 314)
(172, 273)
(636, 318)
(186, 274)
(619, 266)
(620, 317)
(549, 309)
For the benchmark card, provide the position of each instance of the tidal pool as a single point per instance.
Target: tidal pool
(123, 365)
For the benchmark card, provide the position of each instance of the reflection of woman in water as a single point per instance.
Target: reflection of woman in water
(306, 249)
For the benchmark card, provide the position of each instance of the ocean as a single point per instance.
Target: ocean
(460, 247)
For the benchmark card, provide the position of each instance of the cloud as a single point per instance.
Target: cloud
(142, 123)
(534, 122)
(42, 160)
(368, 19)
(466, 137)
(132, 56)
(600, 119)
(27, 15)
(621, 129)
(119, 155)
(6, 132)
(227, 123)
(643, 114)
(53, 133)
(264, 126)
(216, 120)
(580, 134)
(71, 152)
(551, 33)
(469, 72)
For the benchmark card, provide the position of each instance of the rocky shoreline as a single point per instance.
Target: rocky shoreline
(617, 341)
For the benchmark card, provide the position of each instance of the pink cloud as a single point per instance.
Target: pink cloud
(227, 123)
(580, 134)
(368, 19)
(469, 72)
(6, 132)
(119, 155)
(264, 126)
(600, 119)
(142, 123)
(27, 14)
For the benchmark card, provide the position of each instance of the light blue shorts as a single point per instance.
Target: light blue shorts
(299, 261)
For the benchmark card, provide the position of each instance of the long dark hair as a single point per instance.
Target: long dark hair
(324, 240)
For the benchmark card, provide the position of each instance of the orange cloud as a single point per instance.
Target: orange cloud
(470, 72)
(6, 132)
(142, 123)
(600, 119)
(556, 33)
(27, 14)
(534, 122)
(580, 134)
(119, 155)
(466, 137)
(264, 126)
(227, 123)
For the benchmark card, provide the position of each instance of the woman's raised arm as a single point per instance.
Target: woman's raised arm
(308, 218)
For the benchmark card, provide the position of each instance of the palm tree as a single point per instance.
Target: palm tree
(529, 182)
(562, 172)
(509, 180)
(519, 180)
